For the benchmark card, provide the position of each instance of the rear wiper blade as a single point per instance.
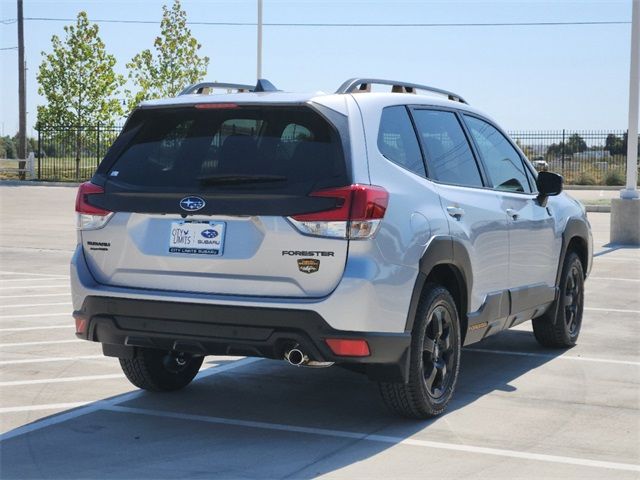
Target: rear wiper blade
(230, 179)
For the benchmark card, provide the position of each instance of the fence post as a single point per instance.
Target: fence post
(98, 146)
(39, 154)
(30, 173)
(562, 152)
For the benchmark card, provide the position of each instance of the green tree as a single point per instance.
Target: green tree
(576, 144)
(616, 145)
(7, 147)
(79, 82)
(78, 79)
(175, 63)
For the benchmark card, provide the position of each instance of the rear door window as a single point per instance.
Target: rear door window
(277, 149)
(447, 151)
(397, 140)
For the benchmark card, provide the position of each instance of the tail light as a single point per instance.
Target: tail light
(358, 213)
(90, 217)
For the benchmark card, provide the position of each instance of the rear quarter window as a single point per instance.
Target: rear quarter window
(397, 140)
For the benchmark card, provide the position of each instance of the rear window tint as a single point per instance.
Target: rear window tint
(293, 149)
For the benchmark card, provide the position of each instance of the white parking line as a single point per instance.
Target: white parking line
(615, 279)
(84, 378)
(25, 287)
(3, 272)
(36, 305)
(616, 310)
(380, 438)
(43, 327)
(48, 279)
(553, 357)
(35, 315)
(615, 259)
(93, 407)
(50, 406)
(36, 295)
(53, 359)
(29, 344)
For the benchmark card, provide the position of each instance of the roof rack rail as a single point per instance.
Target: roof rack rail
(263, 85)
(354, 85)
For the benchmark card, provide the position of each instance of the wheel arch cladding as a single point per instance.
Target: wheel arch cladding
(574, 238)
(445, 262)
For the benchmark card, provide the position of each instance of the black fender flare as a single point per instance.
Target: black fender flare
(442, 250)
(575, 227)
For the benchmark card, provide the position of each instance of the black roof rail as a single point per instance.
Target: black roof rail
(263, 85)
(363, 85)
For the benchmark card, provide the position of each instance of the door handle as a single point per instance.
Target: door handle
(455, 212)
(512, 213)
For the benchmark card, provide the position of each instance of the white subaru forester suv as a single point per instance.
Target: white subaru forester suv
(377, 231)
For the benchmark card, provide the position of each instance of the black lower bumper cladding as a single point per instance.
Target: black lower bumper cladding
(123, 324)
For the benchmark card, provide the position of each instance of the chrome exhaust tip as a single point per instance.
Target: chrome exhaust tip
(296, 357)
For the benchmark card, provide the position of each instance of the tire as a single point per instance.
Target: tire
(559, 327)
(434, 358)
(159, 370)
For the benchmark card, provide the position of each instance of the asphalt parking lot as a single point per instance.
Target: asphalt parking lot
(520, 411)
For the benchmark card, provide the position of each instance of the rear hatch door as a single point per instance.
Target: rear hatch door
(201, 196)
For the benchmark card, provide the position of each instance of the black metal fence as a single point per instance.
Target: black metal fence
(72, 153)
(583, 157)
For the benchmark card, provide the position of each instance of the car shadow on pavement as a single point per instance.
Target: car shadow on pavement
(174, 438)
(614, 247)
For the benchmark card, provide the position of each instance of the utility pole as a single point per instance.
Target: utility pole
(22, 93)
(631, 190)
(625, 211)
(259, 55)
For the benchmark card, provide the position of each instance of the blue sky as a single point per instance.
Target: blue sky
(526, 77)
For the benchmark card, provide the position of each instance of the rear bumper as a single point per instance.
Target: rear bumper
(123, 324)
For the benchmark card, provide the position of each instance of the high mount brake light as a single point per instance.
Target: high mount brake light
(89, 216)
(357, 214)
(215, 106)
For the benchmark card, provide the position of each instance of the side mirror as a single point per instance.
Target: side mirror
(549, 184)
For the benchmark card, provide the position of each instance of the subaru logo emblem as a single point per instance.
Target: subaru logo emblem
(209, 233)
(192, 204)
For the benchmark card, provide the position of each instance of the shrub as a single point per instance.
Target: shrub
(614, 177)
(586, 179)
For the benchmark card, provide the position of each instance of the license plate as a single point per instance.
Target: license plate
(200, 238)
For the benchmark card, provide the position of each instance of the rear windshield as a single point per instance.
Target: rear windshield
(292, 150)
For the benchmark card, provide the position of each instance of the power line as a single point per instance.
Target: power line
(366, 25)
(9, 48)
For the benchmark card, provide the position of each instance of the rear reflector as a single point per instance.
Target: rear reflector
(81, 324)
(345, 347)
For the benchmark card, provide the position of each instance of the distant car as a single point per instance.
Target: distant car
(540, 164)
(376, 231)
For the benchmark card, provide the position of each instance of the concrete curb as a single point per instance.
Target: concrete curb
(598, 208)
(35, 183)
(593, 187)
